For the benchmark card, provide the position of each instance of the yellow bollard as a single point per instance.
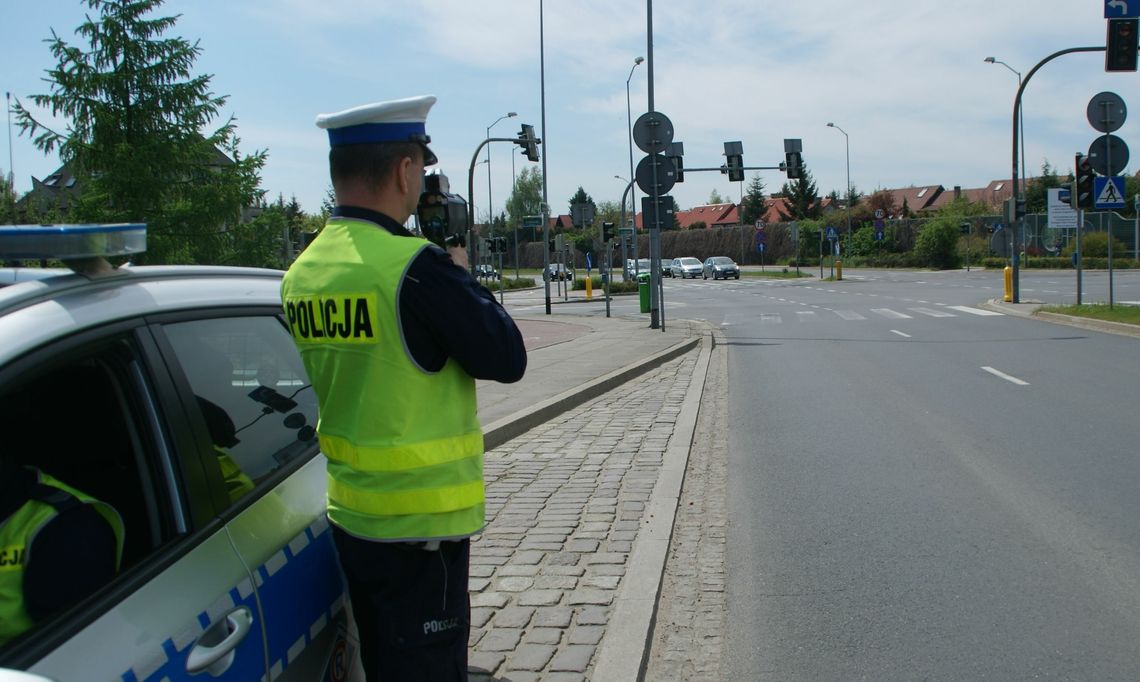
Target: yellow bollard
(1008, 284)
(589, 288)
(839, 271)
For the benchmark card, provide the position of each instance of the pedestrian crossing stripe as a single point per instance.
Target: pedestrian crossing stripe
(932, 313)
(974, 311)
(887, 312)
(851, 315)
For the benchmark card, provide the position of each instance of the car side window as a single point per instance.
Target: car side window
(252, 393)
(84, 477)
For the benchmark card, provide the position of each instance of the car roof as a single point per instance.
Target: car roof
(36, 312)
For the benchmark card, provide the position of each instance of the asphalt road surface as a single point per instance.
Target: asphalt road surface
(922, 489)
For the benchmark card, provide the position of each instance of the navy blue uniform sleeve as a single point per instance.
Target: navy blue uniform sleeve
(71, 557)
(445, 314)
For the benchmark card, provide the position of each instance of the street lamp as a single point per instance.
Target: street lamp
(1020, 116)
(847, 145)
(629, 123)
(490, 208)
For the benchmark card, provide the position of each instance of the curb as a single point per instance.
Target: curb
(1106, 326)
(503, 430)
(623, 653)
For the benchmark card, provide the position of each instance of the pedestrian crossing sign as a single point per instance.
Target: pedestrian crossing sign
(1109, 192)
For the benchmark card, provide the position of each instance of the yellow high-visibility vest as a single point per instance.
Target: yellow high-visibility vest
(404, 446)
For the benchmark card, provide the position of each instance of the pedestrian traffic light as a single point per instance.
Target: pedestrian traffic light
(676, 153)
(1083, 183)
(552, 249)
(528, 142)
(607, 232)
(1120, 53)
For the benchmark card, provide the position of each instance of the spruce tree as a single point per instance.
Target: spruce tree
(753, 201)
(138, 134)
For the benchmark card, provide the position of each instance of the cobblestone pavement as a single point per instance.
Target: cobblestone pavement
(689, 631)
(565, 502)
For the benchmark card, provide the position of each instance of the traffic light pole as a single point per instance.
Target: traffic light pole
(1016, 187)
(471, 260)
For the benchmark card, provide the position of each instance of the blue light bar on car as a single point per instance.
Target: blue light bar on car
(68, 242)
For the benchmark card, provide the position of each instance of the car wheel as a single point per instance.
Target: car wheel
(704, 276)
(738, 276)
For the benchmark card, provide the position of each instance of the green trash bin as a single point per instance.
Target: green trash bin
(643, 290)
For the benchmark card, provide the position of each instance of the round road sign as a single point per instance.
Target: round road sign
(1106, 112)
(666, 175)
(653, 132)
(1108, 155)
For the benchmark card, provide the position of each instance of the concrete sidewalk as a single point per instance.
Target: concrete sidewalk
(585, 460)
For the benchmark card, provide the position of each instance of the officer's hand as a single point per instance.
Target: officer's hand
(458, 256)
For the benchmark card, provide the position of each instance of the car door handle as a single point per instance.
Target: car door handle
(215, 649)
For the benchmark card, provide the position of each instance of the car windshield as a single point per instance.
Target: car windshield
(690, 261)
(721, 260)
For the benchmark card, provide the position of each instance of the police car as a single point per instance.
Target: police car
(175, 395)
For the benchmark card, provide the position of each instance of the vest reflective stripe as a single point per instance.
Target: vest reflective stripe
(405, 448)
(401, 457)
(17, 533)
(436, 499)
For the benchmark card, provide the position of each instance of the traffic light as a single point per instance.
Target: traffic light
(1083, 183)
(528, 142)
(793, 163)
(552, 249)
(734, 161)
(676, 153)
(1120, 53)
(607, 232)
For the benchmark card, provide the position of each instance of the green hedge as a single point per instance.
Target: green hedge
(617, 286)
(1063, 263)
(508, 283)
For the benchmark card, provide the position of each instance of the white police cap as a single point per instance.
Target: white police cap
(398, 120)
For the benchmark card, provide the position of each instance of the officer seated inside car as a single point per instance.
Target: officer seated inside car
(57, 546)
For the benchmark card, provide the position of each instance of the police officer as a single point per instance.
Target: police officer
(394, 331)
(47, 530)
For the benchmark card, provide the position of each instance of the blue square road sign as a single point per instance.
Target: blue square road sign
(1108, 192)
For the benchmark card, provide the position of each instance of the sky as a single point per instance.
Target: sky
(905, 80)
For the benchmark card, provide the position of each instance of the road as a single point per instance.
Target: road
(920, 489)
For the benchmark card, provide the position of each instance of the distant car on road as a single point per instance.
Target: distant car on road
(486, 272)
(719, 267)
(684, 268)
(559, 271)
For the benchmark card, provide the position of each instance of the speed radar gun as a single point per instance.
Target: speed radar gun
(442, 216)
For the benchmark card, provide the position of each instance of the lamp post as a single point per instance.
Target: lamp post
(847, 146)
(1020, 117)
(629, 128)
(490, 206)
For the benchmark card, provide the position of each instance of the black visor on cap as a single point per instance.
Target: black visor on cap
(429, 156)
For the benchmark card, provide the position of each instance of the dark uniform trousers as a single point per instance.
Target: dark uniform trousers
(411, 606)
